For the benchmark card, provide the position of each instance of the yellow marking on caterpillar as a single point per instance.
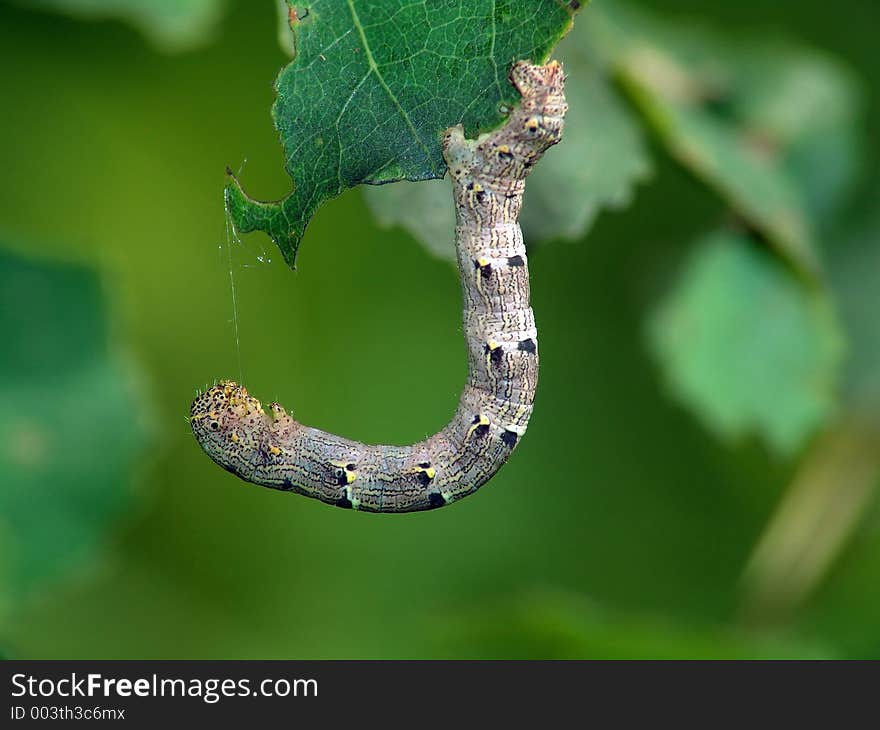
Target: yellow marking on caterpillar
(350, 474)
(492, 345)
(484, 421)
(234, 437)
(274, 450)
(481, 262)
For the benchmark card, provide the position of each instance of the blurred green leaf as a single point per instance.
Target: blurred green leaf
(802, 108)
(372, 86)
(744, 344)
(172, 25)
(71, 421)
(772, 127)
(754, 185)
(600, 160)
(559, 625)
(424, 209)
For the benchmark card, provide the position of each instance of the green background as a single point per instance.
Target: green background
(620, 528)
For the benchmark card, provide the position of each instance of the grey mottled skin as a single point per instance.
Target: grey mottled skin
(269, 448)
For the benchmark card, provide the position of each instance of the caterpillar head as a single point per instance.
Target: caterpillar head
(541, 87)
(543, 106)
(230, 425)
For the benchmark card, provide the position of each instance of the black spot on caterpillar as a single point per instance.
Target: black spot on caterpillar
(435, 499)
(495, 353)
(268, 447)
(527, 345)
(479, 426)
(484, 267)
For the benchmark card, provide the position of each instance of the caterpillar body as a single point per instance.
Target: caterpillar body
(268, 447)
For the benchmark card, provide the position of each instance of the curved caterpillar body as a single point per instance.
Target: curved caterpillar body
(268, 447)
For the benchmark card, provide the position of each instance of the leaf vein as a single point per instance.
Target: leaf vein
(371, 61)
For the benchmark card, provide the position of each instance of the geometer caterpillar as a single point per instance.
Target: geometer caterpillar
(270, 448)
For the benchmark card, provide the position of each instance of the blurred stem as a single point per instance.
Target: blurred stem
(817, 516)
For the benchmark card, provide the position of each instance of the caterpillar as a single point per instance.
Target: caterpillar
(268, 447)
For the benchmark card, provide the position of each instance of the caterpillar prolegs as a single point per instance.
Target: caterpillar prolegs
(268, 447)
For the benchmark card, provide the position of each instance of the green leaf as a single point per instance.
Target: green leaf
(71, 421)
(746, 345)
(373, 85)
(172, 25)
(771, 127)
(600, 160)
